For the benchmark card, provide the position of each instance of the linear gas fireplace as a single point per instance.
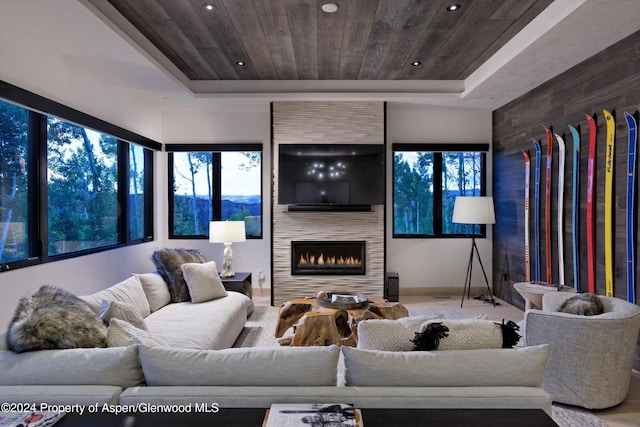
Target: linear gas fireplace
(341, 257)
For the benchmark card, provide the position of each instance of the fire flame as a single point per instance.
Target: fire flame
(330, 260)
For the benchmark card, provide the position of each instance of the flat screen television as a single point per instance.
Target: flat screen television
(331, 175)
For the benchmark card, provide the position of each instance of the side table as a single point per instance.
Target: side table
(533, 296)
(241, 282)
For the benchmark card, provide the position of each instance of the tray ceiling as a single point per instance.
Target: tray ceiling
(296, 40)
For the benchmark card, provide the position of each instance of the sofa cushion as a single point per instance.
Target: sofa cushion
(168, 262)
(129, 291)
(155, 289)
(522, 367)
(87, 366)
(287, 366)
(203, 281)
(209, 325)
(124, 334)
(123, 311)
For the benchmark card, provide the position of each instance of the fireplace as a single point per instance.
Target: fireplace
(328, 258)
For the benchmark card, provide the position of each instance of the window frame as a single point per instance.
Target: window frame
(438, 150)
(216, 188)
(39, 109)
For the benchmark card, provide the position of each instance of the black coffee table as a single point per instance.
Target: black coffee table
(252, 417)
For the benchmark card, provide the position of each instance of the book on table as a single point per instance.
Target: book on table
(313, 414)
(29, 418)
(544, 285)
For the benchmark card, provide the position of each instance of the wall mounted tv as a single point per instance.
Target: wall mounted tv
(330, 176)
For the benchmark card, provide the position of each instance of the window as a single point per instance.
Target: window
(221, 183)
(426, 180)
(67, 189)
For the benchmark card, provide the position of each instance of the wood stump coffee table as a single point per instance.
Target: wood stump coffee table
(317, 325)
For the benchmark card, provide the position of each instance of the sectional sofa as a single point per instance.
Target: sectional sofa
(194, 365)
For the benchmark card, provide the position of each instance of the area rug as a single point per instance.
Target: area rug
(259, 332)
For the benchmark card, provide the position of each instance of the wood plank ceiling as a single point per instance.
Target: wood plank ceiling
(296, 40)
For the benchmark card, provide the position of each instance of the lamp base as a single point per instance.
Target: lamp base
(227, 271)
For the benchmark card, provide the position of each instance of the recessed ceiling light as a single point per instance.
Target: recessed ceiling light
(453, 7)
(416, 63)
(209, 7)
(330, 7)
(240, 63)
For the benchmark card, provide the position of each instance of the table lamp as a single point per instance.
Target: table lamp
(227, 232)
(474, 210)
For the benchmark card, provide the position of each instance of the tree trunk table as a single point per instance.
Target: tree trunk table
(316, 325)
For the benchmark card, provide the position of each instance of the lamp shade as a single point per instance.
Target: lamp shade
(227, 231)
(473, 210)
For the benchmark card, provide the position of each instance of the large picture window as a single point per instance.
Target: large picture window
(222, 183)
(426, 180)
(66, 188)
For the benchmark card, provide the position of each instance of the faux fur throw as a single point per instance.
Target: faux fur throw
(168, 262)
(465, 334)
(586, 304)
(54, 318)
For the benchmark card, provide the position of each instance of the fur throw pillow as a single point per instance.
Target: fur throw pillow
(52, 318)
(586, 304)
(465, 334)
(169, 262)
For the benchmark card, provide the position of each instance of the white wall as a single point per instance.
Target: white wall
(435, 263)
(210, 127)
(33, 57)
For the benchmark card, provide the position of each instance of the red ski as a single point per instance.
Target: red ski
(547, 203)
(591, 170)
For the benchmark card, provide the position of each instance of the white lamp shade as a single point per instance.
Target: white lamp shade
(473, 210)
(227, 232)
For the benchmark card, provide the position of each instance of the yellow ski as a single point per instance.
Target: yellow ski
(608, 204)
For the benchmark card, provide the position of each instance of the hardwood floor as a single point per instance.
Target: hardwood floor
(627, 414)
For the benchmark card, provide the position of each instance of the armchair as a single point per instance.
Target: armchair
(591, 357)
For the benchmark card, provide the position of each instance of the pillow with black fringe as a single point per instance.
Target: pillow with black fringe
(465, 334)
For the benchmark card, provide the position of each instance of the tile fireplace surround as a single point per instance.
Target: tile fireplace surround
(326, 123)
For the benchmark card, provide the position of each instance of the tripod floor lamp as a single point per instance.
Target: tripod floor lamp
(476, 211)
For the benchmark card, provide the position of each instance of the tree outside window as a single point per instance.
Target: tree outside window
(426, 181)
(221, 185)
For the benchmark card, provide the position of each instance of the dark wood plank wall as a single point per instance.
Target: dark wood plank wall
(609, 80)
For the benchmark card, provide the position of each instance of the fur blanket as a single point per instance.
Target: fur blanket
(52, 318)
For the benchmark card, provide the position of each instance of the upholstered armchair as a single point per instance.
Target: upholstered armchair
(591, 356)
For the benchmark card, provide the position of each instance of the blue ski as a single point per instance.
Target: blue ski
(631, 181)
(536, 209)
(575, 206)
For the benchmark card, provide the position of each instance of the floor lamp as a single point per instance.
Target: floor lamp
(227, 232)
(474, 210)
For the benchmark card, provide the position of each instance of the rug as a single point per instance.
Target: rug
(259, 332)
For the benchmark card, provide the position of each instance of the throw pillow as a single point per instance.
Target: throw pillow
(390, 335)
(155, 289)
(168, 262)
(587, 304)
(53, 318)
(123, 311)
(203, 281)
(466, 334)
(124, 334)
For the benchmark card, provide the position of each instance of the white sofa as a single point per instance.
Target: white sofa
(193, 367)
(89, 375)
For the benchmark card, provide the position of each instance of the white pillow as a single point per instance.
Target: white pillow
(124, 334)
(203, 281)
(155, 289)
(123, 311)
(129, 291)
